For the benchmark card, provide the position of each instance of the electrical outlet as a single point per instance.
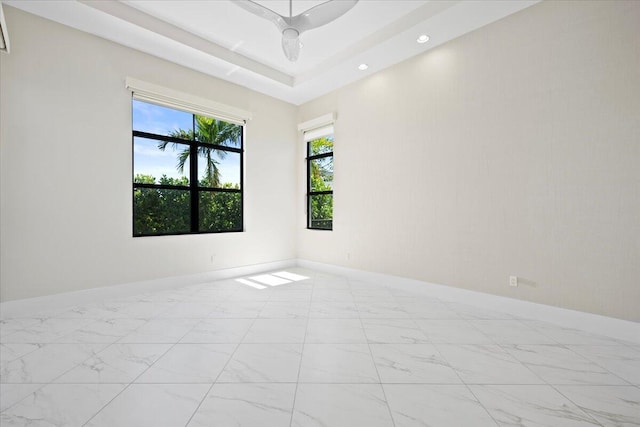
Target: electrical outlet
(513, 281)
(213, 257)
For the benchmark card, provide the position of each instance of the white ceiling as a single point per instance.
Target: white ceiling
(219, 38)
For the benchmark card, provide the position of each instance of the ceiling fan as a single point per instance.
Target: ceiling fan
(292, 27)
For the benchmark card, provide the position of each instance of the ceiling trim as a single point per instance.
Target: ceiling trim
(400, 25)
(141, 29)
(143, 20)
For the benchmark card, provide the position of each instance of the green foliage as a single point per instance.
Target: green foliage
(220, 210)
(321, 145)
(162, 211)
(157, 210)
(321, 179)
(321, 211)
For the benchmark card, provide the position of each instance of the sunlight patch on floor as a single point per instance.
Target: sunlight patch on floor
(263, 281)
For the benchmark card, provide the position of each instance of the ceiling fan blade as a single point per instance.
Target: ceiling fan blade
(322, 14)
(291, 44)
(264, 12)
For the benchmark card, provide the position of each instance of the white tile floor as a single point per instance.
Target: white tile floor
(319, 351)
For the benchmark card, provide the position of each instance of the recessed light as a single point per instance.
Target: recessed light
(362, 67)
(423, 38)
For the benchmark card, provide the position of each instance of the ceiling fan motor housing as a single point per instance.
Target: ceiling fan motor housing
(291, 43)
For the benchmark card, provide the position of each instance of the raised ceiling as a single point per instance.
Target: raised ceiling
(220, 39)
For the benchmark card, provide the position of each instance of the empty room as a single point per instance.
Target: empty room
(301, 213)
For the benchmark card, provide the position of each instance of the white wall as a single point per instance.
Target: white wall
(65, 149)
(513, 150)
(510, 151)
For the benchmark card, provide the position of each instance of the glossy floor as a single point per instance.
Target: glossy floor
(303, 348)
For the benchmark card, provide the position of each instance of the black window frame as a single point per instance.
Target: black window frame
(194, 188)
(310, 193)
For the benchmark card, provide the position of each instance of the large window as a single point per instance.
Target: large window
(320, 183)
(187, 172)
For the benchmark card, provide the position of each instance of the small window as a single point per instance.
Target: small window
(187, 172)
(320, 183)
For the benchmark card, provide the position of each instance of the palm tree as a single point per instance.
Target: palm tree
(210, 131)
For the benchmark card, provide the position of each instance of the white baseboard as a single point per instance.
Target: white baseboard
(593, 323)
(28, 306)
(615, 328)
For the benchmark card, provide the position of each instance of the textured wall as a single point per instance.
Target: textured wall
(513, 150)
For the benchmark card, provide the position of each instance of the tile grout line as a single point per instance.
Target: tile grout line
(384, 394)
(89, 321)
(599, 366)
(128, 385)
(304, 341)
(497, 340)
(468, 388)
(566, 347)
(435, 345)
(52, 381)
(577, 406)
(204, 397)
(215, 381)
(145, 370)
(466, 385)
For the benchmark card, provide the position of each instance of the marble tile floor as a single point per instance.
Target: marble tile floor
(304, 348)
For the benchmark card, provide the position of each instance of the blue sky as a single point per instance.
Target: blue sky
(150, 160)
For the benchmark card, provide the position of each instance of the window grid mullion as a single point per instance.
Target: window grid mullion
(193, 179)
(242, 178)
(193, 188)
(320, 156)
(161, 186)
(310, 194)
